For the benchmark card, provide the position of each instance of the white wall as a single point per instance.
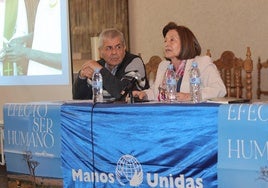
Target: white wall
(218, 25)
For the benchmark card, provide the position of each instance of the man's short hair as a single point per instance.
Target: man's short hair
(111, 33)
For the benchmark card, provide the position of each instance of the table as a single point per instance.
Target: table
(243, 146)
(32, 143)
(145, 145)
(140, 145)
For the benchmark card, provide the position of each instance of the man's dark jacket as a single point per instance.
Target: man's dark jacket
(114, 84)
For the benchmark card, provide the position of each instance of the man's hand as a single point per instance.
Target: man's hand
(88, 68)
(16, 53)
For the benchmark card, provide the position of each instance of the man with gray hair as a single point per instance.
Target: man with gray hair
(116, 66)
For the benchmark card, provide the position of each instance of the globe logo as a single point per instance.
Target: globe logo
(129, 170)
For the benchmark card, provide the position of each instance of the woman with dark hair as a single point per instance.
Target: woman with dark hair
(181, 49)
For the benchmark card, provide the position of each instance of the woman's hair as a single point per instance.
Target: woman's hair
(111, 33)
(190, 47)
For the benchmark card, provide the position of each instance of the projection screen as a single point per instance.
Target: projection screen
(35, 58)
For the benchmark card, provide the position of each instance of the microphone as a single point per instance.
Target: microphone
(128, 88)
(135, 80)
(141, 81)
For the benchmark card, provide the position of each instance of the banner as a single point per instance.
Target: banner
(243, 146)
(32, 139)
(139, 145)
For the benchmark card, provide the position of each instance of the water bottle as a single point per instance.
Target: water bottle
(97, 85)
(171, 84)
(195, 83)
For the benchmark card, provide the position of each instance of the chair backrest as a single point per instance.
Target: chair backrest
(260, 67)
(236, 74)
(208, 53)
(151, 68)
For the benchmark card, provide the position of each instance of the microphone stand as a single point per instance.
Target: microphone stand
(128, 90)
(131, 97)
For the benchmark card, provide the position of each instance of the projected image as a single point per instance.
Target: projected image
(30, 38)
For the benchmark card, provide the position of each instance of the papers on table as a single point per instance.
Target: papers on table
(228, 100)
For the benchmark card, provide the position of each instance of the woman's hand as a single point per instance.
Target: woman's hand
(139, 94)
(183, 96)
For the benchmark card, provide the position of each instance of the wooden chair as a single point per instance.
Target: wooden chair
(236, 74)
(151, 68)
(260, 67)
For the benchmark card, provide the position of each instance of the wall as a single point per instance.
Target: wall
(218, 25)
(88, 18)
